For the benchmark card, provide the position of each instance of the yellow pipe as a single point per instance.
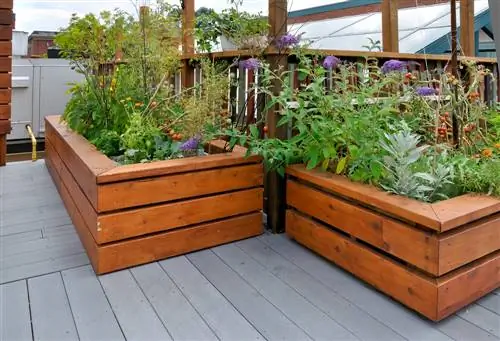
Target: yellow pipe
(33, 142)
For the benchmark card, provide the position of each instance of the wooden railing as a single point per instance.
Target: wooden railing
(245, 107)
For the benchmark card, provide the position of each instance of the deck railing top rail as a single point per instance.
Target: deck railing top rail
(340, 53)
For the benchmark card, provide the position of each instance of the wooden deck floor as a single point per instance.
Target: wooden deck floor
(266, 288)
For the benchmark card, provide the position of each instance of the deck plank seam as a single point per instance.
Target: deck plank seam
(29, 309)
(109, 303)
(227, 299)
(69, 304)
(188, 300)
(44, 274)
(334, 293)
(322, 282)
(151, 304)
(258, 291)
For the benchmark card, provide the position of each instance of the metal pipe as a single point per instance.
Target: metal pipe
(33, 142)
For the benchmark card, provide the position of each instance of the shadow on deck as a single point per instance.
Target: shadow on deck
(265, 288)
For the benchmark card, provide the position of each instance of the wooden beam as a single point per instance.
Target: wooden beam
(390, 33)
(276, 201)
(467, 27)
(3, 150)
(188, 22)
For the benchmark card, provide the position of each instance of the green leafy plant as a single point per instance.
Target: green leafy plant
(245, 30)
(388, 128)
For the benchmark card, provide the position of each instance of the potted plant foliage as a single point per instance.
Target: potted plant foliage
(234, 28)
(139, 166)
(376, 184)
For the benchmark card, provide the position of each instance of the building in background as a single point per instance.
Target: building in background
(39, 43)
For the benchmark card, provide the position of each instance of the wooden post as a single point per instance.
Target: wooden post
(6, 26)
(276, 200)
(467, 28)
(454, 71)
(390, 33)
(187, 41)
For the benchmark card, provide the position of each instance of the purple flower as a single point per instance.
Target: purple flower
(250, 64)
(425, 91)
(393, 65)
(331, 62)
(191, 144)
(287, 40)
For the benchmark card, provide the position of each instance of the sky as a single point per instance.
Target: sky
(51, 15)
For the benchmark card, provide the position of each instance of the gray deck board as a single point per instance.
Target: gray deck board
(216, 310)
(15, 321)
(491, 302)
(261, 288)
(50, 310)
(482, 318)
(359, 322)
(46, 266)
(184, 323)
(272, 323)
(462, 330)
(6, 230)
(389, 312)
(308, 317)
(93, 315)
(135, 314)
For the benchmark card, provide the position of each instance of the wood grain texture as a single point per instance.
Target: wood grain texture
(166, 188)
(5, 63)
(89, 215)
(3, 149)
(5, 96)
(5, 80)
(461, 210)
(5, 111)
(83, 160)
(173, 243)
(5, 127)
(402, 207)
(459, 289)
(471, 242)
(6, 16)
(408, 287)
(5, 49)
(7, 4)
(141, 221)
(5, 32)
(442, 216)
(417, 247)
(138, 171)
(76, 217)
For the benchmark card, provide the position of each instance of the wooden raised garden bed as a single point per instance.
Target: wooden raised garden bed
(433, 258)
(134, 214)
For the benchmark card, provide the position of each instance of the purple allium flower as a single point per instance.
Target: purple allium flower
(287, 40)
(393, 65)
(191, 144)
(250, 64)
(331, 62)
(425, 91)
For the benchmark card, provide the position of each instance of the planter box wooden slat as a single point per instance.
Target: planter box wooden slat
(433, 298)
(117, 196)
(130, 218)
(354, 224)
(382, 232)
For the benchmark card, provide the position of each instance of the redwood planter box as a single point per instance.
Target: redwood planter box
(433, 258)
(134, 214)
